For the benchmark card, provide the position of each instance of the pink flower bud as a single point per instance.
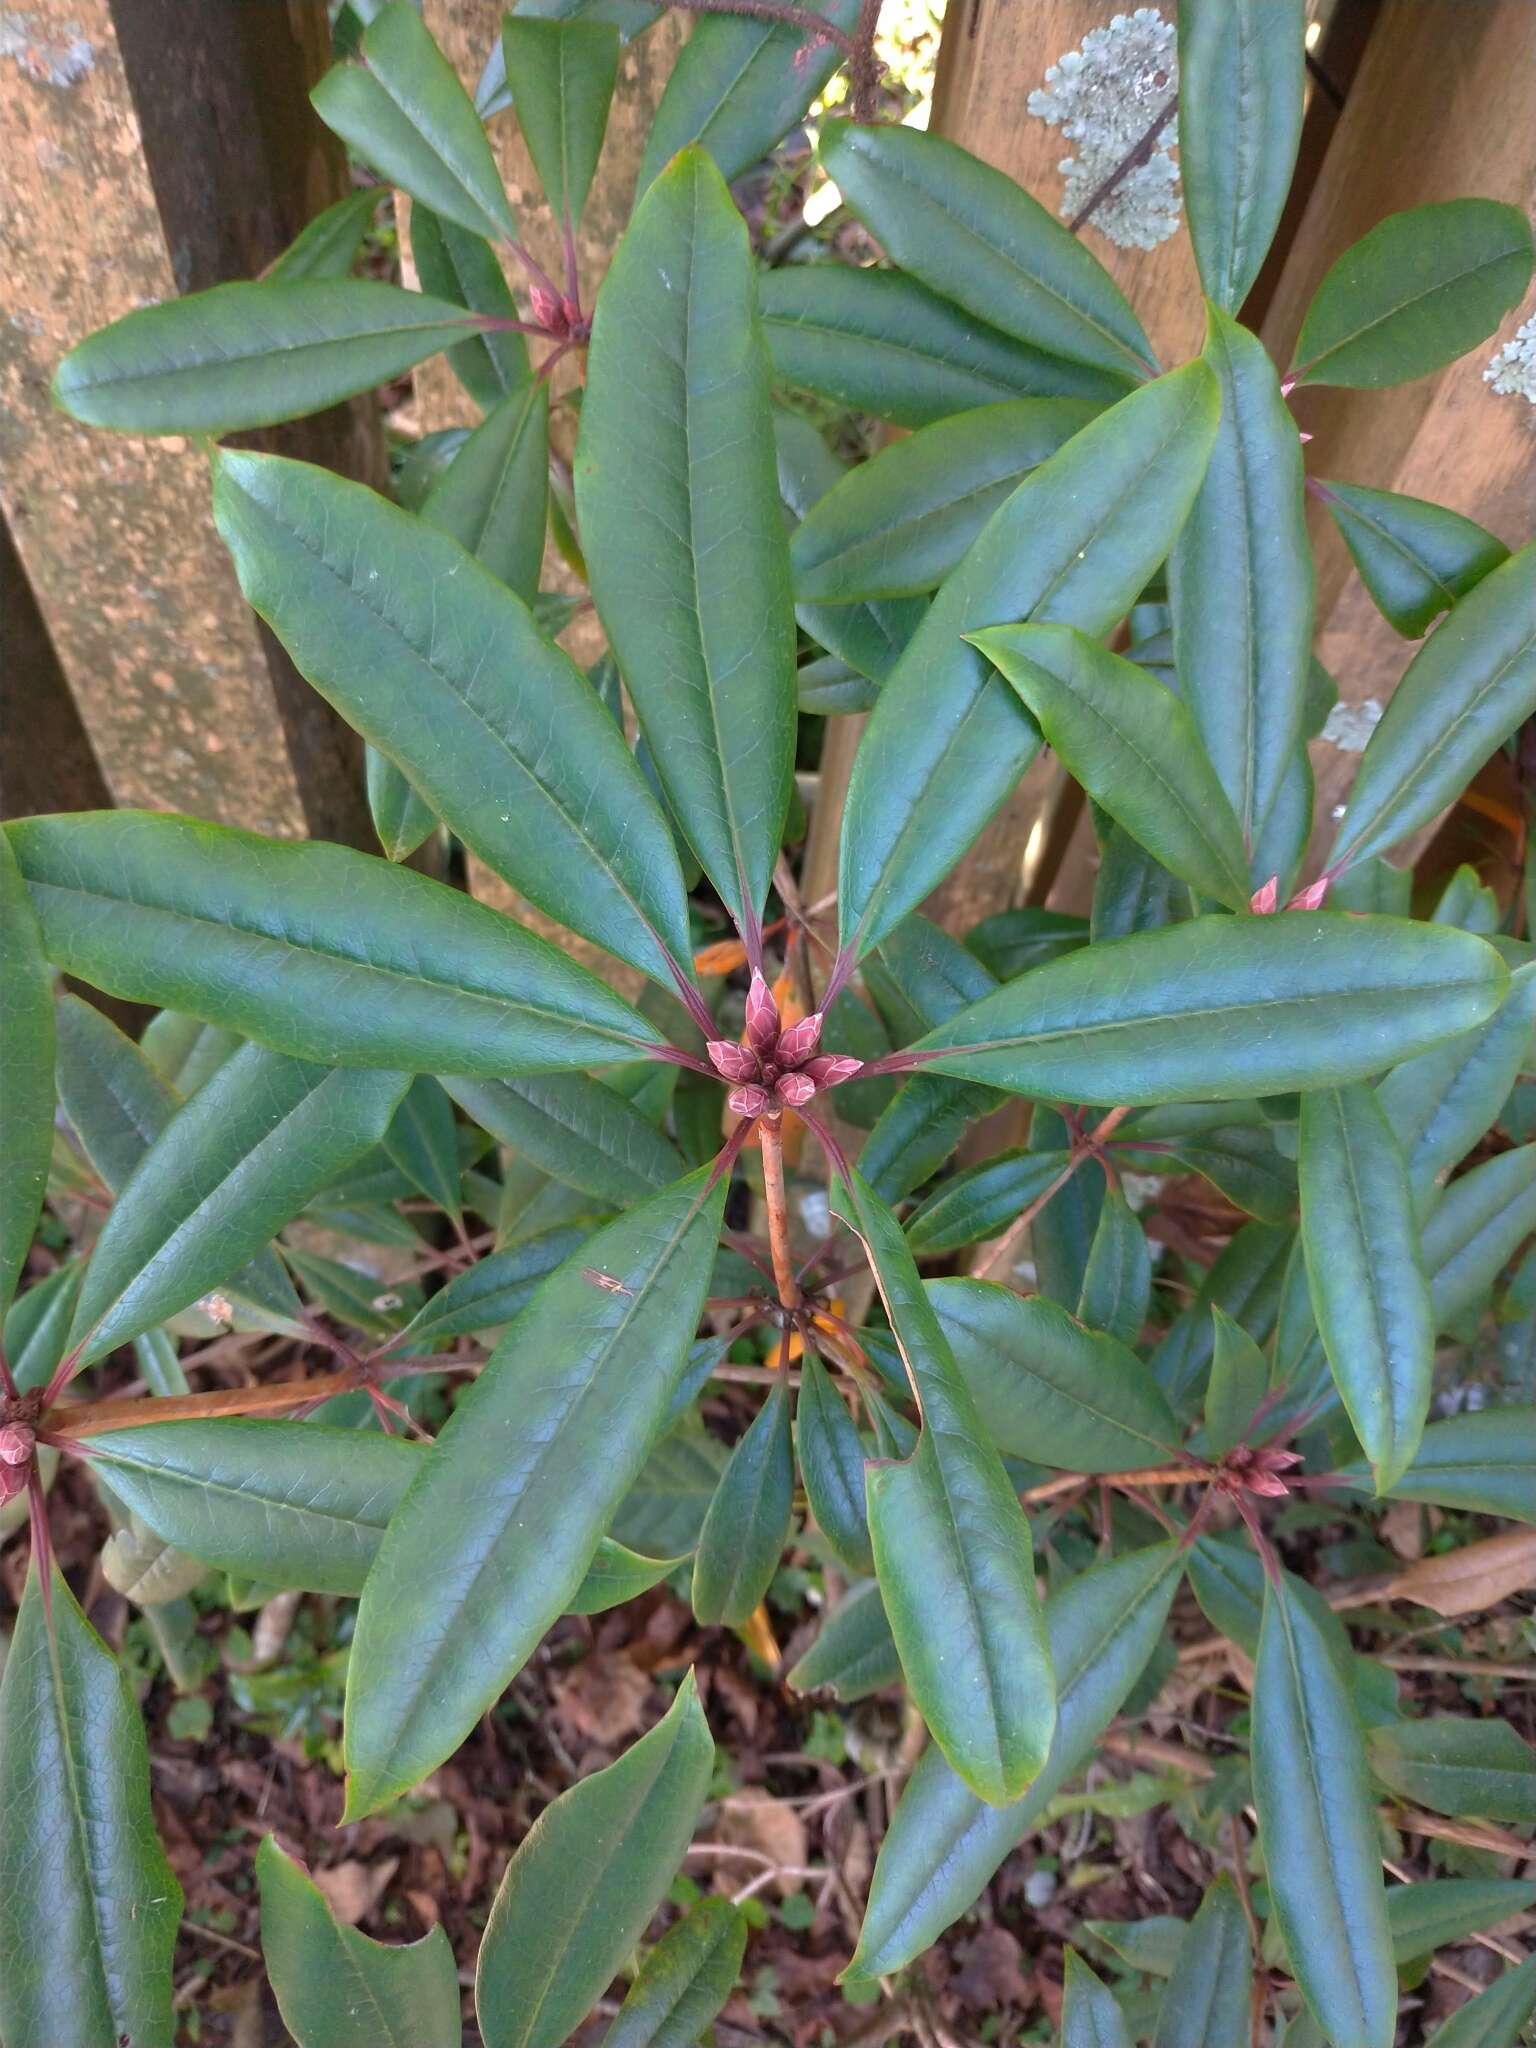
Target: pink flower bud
(762, 1015)
(17, 1443)
(1270, 1484)
(733, 1062)
(13, 1480)
(750, 1101)
(548, 309)
(829, 1068)
(1312, 897)
(1264, 900)
(794, 1089)
(799, 1041)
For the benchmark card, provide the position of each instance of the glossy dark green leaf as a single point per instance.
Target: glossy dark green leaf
(496, 1288)
(1482, 1463)
(1478, 1225)
(944, 1844)
(422, 1140)
(665, 1508)
(684, 1981)
(630, 17)
(26, 1074)
(1420, 289)
(1466, 690)
(561, 76)
(337, 1989)
(1495, 2017)
(401, 818)
(832, 1458)
(247, 355)
(1048, 1389)
(288, 1503)
(1090, 2013)
(586, 1879)
(1240, 1159)
(460, 696)
(738, 86)
(1132, 744)
(1454, 1765)
(1206, 2002)
(900, 523)
(1009, 941)
(36, 1325)
(980, 1201)
(952, 1548)
(495, 1536)
(1415, 558)
(1241, 581)
(878, 342)
(1074, 545)
(328, 246)
(88, 1905)
(1227, 1579)
(1242, 82)
(854, 1653)
(1366, 1273)
(1224, 1008)
(1238, 1383)
(918, 1130)
(492, 496)
(403, 110)
(1439, 1910)
(970, 233)
(1117, 1281)
(231, 1167)
(1317, 1827)
(587, 1136)
(747, 1525)
(617, 1574)
(462, 268)
(1131, 892)
(1246, 1281)
(324, 953)
(679, 506)
(920, 975)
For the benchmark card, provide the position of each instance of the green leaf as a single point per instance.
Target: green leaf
(321, 952)
(854, 1653)
(952, 1548)
(1440, 1910)
(1090, 2013)
(876, 341)
(26, 1074)
(403, 110)
(917, 1131)
(462, 268)
(400, 817)
(337, 1989)
(1479, 1224)
(1420, 289)
(1117, 1281)
(1206, 2002)
(1456, 1766)
(231, 1167)
(747, 1526)
(1317, 1827)
(1238, 1158)
(1133, 746)
(899, 523)
(460, 696)
(1470, 685)
(493, 495)
(1075, 544)
(1238, 1383)
(1441, 1103)
(970, 233)
(665, 1508)
(684, 1981)
(328, 246)
(88, 1904)
(1482, 1463)
(1242, 82)
(981, 1200)
(586, 1879)
(248, 355)
(1495, 2017)
(832, 1457)
(1227, 1579)
(1224, 1008)
(287, 1503)
(588, 1136)
(1246, 1281)
(561, 75)
(1009, 941)
(1048, 1389)
(617, 1574)
(423, 1141)
(1365, 1272)
(738, 86)
(1415, 558)
(495, 1536)
(496, 1288)
(944, 1844)
(1241, 581)
(677, 493)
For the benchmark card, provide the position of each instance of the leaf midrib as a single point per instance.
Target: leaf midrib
(1304, 371)
(264, 352)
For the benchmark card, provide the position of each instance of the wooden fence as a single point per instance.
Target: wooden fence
(152, 146)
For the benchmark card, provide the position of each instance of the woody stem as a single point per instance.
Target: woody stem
(778, 1212)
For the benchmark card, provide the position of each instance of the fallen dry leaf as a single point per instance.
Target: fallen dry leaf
(1469, 1580)
(603, 1698)
(754, 1819)
(353, 1889)
(1403, 1527)
(989, 1975)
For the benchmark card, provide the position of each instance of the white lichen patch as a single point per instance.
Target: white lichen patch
(1512, 369)
(1349, 726)
(61, 57)
(1104, 97)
